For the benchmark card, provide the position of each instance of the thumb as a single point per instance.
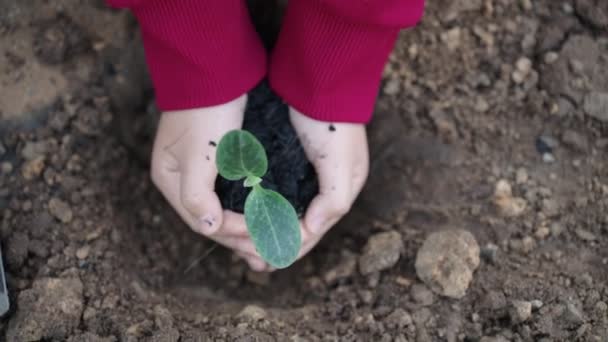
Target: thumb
(333, 201)
(198, 197)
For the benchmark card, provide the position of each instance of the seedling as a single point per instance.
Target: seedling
(271, 220)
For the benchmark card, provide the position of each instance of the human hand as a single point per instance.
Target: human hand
(183, 168)
(340, 156)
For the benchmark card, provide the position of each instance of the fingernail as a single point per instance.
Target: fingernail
(207, 224)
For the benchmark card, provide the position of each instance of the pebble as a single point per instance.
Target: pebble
(33, 168)
(542, 232)
(60, 210)
(550, 207)
(523, 66)
(83, 252)
(506, 204)
(585, 234)
(546, 144)
(573, 315)
(2, 149)
(536, 304)
(446, 262)
(6, 167)
(489, 253)
(548, 158)
(253, 313)
(521, 176)
(33, 150)
(575, 140)
(556, 229)
(392, 87)
(422, 295)
(520, 311)
(596, 105)
(381, 252)
(551, 57)
(398, 319)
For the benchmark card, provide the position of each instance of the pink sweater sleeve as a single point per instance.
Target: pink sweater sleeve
(199, 53)
(327, 63)
(329, 58)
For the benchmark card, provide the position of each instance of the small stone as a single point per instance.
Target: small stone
(575, 140)
(546, 144)
(60, 210)
(403, 281)
(585, 234)
(344, 269)
(536, 304)
(503, 189)
(451, 38)
(596, 105)
(446, 262)
(481, 105)
(367, 296)
(252, 313)
(83, 252)
(550, 207)
(556, 229)
(381, 252)
(524, 65)
(528, 244)
(34, 150)
(542, 232)
(32, 168)
(422, 295)
(564, 107)
(489, 253)
(548, 158)
(505, 203)
(2, 149)
(510, 206)
(6, 168)
(573, 315)
(520, 311)
(601, 307)
(521, 176)
(398, 319)
(551, 57)
(392, 86)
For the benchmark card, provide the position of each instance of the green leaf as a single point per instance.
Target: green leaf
(239, 154)
(251, 181)
(274, 227)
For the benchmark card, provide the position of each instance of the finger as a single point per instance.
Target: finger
(233, 224)
(334, 199)
(196, 187)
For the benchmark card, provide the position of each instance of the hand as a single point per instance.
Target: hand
(183, 168)
(340, 156)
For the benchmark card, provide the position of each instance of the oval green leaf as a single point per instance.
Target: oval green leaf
(239, 154)
(274, 227)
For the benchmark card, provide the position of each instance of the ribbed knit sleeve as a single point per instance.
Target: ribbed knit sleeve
(330, 54)
(199, 52)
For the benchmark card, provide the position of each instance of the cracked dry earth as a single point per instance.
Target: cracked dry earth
(492, 119)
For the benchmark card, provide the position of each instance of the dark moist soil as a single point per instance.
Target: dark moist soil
(94, 253)
(289, 171)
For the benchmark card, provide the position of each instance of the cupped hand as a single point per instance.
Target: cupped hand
(339, 154)
(183, 168)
